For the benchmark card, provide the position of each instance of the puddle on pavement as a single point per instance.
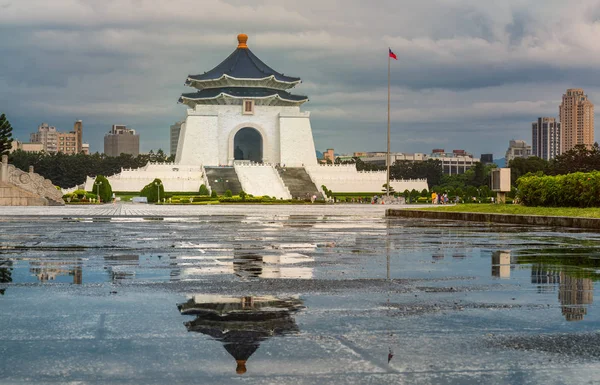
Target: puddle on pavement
(459, 279)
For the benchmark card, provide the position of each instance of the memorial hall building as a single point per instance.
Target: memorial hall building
(245, 130)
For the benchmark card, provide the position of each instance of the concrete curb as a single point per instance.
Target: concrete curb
(533, 220)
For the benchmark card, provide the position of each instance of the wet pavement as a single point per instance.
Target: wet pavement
(292, 294)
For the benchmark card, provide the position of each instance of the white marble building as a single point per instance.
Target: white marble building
(244, 131)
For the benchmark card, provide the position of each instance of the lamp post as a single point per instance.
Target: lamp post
(98, 184)
(158, 184)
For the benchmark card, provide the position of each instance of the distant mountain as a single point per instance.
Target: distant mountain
(500, 162)
(319, 154)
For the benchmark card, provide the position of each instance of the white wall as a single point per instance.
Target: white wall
(345, 178)
(198, 140)
(296, 141)
(207, 135)
(173, 176)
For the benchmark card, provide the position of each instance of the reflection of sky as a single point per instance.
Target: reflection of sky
(110, 333)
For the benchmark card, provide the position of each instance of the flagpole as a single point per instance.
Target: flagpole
(387, 161)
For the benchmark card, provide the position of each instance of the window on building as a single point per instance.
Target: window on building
(248, 107)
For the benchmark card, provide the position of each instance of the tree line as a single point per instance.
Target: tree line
(476, 180)
(578, 159)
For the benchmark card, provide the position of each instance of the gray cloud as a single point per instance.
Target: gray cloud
(470, 74)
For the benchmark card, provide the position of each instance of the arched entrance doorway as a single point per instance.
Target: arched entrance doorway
(248, 145)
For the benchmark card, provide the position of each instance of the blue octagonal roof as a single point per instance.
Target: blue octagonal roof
(243, 64)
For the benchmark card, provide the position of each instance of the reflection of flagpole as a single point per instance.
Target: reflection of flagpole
(387, 160)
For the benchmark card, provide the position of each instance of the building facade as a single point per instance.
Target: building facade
(174, 131)
(47, 136)
(576, 114)
(545, 138)
(78, 130)
(121, 140)
(242, 111)
(329, 155)
(455, 162)
(27, 147)
(517, 149)
(245, 131)
(53, 140)
(487, 158)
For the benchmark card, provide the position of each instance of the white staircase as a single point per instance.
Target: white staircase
(261, 179)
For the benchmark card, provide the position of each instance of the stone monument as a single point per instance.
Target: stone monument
(20, 188)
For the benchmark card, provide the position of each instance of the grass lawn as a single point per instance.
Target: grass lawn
(591, 212)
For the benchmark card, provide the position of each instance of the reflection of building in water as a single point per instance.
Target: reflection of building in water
(49, 271)
(543, 278)
(574, 294)
(241, 323)
(246, 263)
(5, 273)
(501, 264)
(121, 267)
(271, 266)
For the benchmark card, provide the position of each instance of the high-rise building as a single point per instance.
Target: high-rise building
(47, 136)
(576, 115)
(121, 140)
(78, 129)
(55, 141)
(545, 138)
(175, 130)
(517, 149)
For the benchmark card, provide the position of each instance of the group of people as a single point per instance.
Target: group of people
(439, 199)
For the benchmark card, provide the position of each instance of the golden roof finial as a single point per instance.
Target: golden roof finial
(242, 39)
(241, 367)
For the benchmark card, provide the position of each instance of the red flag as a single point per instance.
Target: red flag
(393, 55)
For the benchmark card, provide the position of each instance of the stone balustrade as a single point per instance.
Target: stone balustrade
(26, 188)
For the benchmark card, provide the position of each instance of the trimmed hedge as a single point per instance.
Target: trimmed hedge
(203, 190)
(151, 191)
(105, 189)
(571, 190)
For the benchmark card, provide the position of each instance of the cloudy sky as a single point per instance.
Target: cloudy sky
(471, 74)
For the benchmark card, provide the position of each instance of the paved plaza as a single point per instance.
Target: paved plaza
(313, 294)
(148, 210)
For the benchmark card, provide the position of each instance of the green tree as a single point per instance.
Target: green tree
(152, 191)
(385, 186)
(578, 159)
(243, 195)
(5, 135)
(406, 195)
(213, 194)
(430, 169)
(521, 166)
(103, 188)
(228, 193)
(203, 190)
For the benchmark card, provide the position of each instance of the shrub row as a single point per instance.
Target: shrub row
(571, 190)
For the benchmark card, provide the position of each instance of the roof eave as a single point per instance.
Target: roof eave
(222, 94)
(191, 80)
